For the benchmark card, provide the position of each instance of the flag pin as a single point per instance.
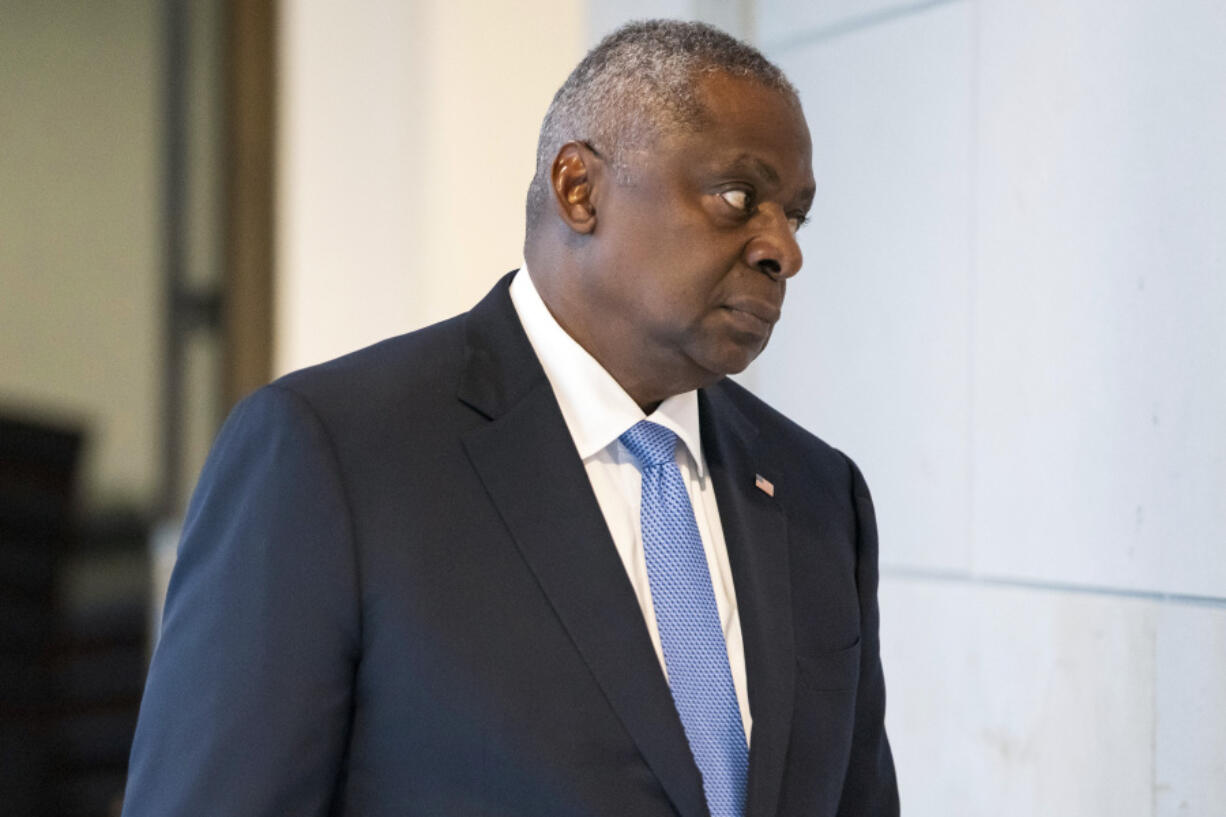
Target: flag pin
(764, 485)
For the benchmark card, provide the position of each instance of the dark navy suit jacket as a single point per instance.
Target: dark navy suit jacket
(396, 595)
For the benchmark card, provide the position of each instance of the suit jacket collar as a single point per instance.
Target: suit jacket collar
(755, 529)
(500, 368)
(525, 454)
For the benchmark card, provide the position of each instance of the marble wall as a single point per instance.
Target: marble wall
(1012, 316)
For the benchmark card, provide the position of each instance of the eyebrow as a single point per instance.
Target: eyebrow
(807, 196)
(762, 168)
(771, 175)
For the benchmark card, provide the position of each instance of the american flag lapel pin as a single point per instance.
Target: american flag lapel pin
(764, 485)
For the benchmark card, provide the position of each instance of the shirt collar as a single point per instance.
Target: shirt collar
(597, 410)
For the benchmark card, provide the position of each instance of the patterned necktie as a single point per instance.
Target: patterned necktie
(688, 622)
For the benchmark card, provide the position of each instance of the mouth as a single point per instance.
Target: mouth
(756, 317)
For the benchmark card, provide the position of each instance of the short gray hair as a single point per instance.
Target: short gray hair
(635, 84)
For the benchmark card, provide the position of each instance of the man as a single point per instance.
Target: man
(543, 558)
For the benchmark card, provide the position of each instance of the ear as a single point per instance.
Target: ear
(573, 176)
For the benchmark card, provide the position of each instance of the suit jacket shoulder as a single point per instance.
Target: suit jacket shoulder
(414, 373)
(781, 440)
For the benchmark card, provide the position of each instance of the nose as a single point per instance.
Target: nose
(773, 249)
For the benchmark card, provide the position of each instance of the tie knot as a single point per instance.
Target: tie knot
(650, 443)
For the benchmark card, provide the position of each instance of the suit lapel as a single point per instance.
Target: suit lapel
(527, 461)
(755, 530)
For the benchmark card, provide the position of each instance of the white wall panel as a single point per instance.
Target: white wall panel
(1190, 743)
(733, 16)
(603, 18)
(1100, 344)
(1018, 702)
(785, 20)
(351, 173)
(872, 351)
(407, 139)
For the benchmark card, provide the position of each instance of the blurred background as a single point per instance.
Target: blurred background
(1012, 315)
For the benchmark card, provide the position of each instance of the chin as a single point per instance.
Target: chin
(720, 355)
(738, 366)
(733, 361)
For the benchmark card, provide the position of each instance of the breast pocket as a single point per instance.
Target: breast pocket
(822, 724)
(830, 671)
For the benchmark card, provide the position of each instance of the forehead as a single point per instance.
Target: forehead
(746, 122)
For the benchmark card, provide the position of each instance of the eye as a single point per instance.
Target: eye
(797, 220)
(737, 199)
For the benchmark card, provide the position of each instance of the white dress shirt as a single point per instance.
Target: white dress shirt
(597, 411)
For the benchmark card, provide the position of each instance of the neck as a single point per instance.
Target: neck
(610, 341)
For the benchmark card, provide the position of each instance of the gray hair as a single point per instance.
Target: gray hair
(634, 85)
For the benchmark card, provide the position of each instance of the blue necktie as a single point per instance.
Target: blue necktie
(688, 622)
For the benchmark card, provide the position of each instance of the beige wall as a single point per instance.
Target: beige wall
(79, 242)
(407, 137)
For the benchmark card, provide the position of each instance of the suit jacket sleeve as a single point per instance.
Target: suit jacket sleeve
(870, 789)
(247, 702)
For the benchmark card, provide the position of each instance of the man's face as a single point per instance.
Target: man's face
(694, 248)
